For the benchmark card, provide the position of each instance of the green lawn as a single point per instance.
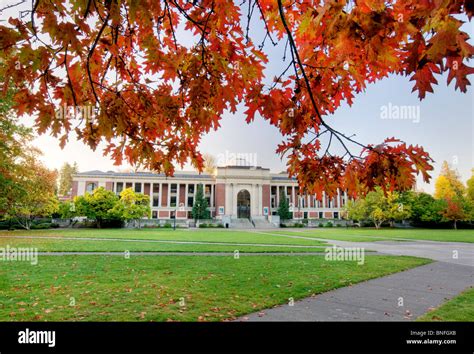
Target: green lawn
(109, 288)
(57, 245)
(460, 308)
(370, 235)
(208, 235)
(55, 240)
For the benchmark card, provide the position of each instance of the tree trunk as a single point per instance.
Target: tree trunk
(455, 226)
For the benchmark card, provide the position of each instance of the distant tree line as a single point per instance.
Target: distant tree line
(452, 202)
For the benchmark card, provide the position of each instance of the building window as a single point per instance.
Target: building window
(321, 216)
(174, 188)
(154, 214)
(129, 185)
(274, 190)
(138, 187)
(119, 187)
(191, 189)
(336, 215)
(156, 188)
(207, 189)
(190, 201)
(91, 187)
(156, 201)
(172, 201)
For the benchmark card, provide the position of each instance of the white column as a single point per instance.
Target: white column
(177, 193)
(169, 195)
(195, 191)
(338, 202)
(324, 199)
(186, 195)
(160, 194)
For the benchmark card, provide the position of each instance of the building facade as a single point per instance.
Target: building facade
(232, 192)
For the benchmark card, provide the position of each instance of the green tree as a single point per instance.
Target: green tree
(67, 210)
(200, 208)
(15, 151)
(398, 208)
(132, 206)
(356, 210)
(425, 208)
(377, 207)
(65, 178)
(98, 205)
(38, 198)
(284, 208)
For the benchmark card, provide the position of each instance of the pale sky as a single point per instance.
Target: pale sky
(444, 126)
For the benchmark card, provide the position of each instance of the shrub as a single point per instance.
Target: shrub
(203, 226)
(167, 225)
(320, 224)
(338, 225)
(44, 225)
(328, 224)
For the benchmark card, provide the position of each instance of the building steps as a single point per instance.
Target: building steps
(264, 224)
(240, 224)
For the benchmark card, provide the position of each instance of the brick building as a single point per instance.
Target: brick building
(233, 192)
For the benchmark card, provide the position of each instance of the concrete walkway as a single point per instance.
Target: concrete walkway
(421, 289)
(449, 252)
(417, 291)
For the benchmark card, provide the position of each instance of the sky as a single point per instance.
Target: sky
(443, 123)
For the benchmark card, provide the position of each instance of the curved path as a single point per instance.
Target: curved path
(398, 297)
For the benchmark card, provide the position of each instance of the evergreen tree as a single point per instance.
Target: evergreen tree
(284, 208)
(200, 208)
(65, 178)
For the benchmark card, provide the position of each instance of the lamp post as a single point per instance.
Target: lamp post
(180, 208)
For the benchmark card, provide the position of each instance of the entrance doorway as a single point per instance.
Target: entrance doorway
(243, 204)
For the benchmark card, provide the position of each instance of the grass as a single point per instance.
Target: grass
(108, 288)
(207, 235)
(58, 245)
(370, 235)
(460, 308)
